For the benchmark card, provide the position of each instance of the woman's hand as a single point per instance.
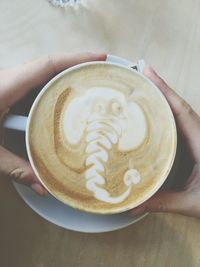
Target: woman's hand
(15, 83)
(186, 201)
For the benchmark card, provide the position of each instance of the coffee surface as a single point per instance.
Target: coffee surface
(102, 138)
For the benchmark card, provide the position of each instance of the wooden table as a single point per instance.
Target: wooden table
(167, 35)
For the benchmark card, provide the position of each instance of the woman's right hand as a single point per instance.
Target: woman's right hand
(186, 201)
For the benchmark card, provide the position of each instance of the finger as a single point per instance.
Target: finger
(162, 202)
(187, 120)
(14, 167)
(16, 82)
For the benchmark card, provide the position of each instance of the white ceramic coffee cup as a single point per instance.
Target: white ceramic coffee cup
(22, 123)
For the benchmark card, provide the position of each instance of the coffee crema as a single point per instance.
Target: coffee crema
(102, 138)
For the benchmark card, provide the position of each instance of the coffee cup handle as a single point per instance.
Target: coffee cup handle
(18, 122)
(15, 122)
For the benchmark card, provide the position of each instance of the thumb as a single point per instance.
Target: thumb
(186, 118)
(161, 202)
(18, 169)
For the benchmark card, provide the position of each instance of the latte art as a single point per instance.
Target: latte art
(102, 138)
(104, 117)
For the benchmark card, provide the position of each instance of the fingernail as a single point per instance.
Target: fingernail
(148, 69)
(103, 55)
(137, 211)
(97, 53)
(39, 189)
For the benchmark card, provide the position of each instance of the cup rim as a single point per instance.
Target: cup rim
(130, 205)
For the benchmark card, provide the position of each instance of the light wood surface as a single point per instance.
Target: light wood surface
(167, 35)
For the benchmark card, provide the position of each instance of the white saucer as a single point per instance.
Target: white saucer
(62, 215)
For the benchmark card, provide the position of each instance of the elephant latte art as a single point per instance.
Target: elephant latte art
(102, 138)
(103, 117)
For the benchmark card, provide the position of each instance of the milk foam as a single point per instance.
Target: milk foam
(104, 117)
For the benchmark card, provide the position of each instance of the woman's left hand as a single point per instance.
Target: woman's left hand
(15, 83)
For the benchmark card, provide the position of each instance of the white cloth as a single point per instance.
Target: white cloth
(64, 3)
